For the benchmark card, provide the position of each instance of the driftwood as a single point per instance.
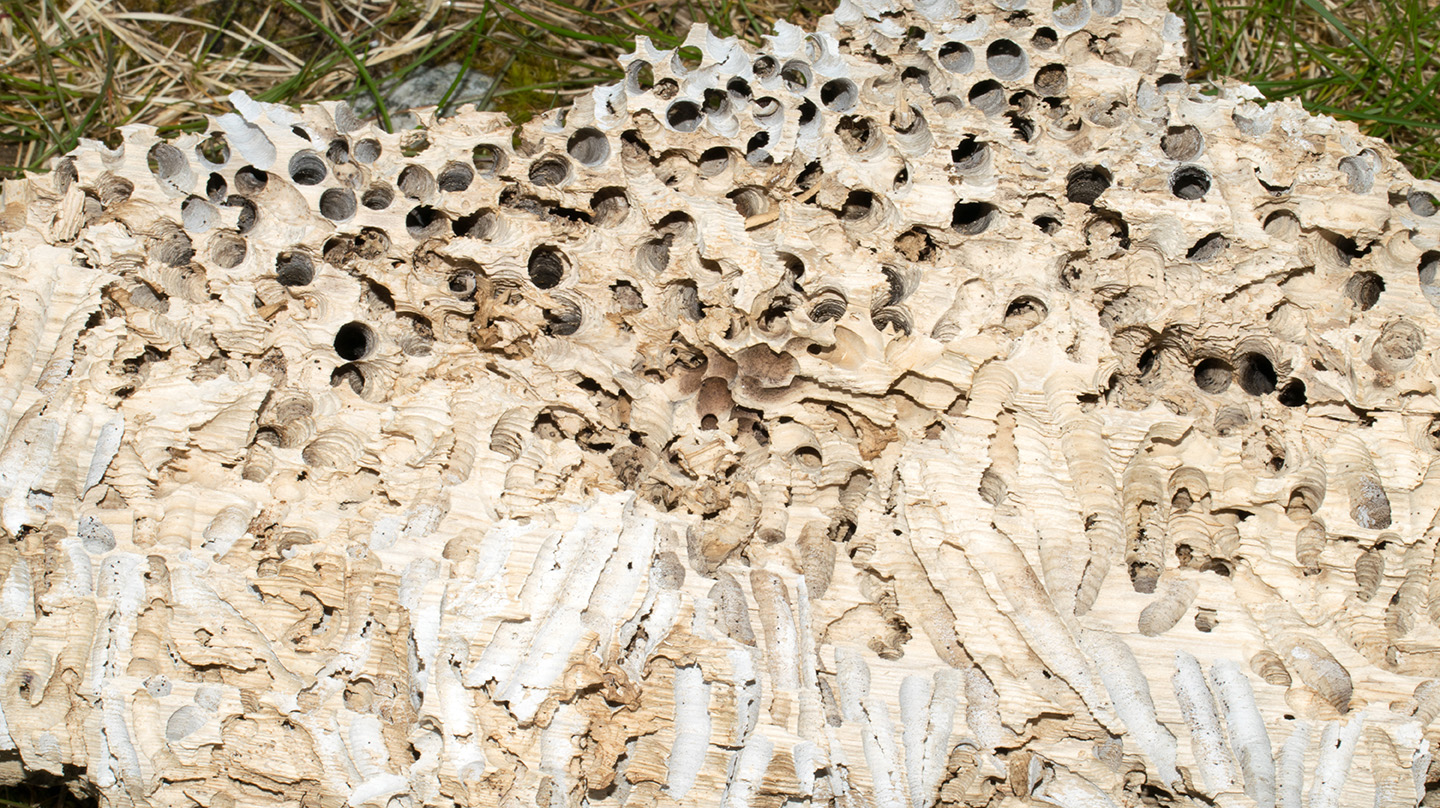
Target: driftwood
(948, 407)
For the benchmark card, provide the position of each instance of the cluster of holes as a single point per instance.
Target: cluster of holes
(1253, 371)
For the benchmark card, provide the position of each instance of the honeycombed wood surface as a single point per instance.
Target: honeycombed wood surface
(949, 406)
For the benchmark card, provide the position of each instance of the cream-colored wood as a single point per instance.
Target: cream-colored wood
(946, 407)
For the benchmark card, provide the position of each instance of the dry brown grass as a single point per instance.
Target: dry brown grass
(85, 69)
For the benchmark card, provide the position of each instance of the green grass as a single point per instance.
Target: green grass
(1376, 63)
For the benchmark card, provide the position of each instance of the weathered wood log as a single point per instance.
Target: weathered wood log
(947, 407)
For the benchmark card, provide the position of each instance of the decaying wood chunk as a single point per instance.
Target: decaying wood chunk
(946, 407)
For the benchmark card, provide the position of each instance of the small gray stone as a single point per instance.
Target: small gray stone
(424, 87)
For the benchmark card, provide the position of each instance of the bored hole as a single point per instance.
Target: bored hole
(839, 95)
(413, 143)
(1292, 394)
(338, 152)
(1421, 203)
(1190, 183)
(970, 155)
(713, 161)
(294, 268)
(1213, 374)
(611, 206)
(1006, 60)
(1282, 224)
(455, 177)
(957, 57)
(354, 341)
(170, 167)
(857, 133)
(377, 197)
(686, 58)
(228, 250)
(972, 218)
(684, 116)
(421, 218)
(755, 151)
(488, 159)
(828, 305)
(1049, 225)
(215, 188)
(1182, 143)
(750, 201)
(1359, 171)
(1429, 267)
(988, 97)
(549, 171)
(214, 149)
(1257, 374)
(250, 180)
(547, 267)
(247, 217)
(588, 146)
(349, 375)
(717, 102)
(1070, 14)
(796, 76)
(1025, 312)
(858, 205)
(306, 168)
(1208, 248)
(462, 284)
(197, 215)
(1364, 288)
(337, 204)
(1051, 80)
(417, 183)
(367, 151)
(808, 112)
(1085, 184)
(639, 76)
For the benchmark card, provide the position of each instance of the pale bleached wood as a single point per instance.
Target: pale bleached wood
(946, 407)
